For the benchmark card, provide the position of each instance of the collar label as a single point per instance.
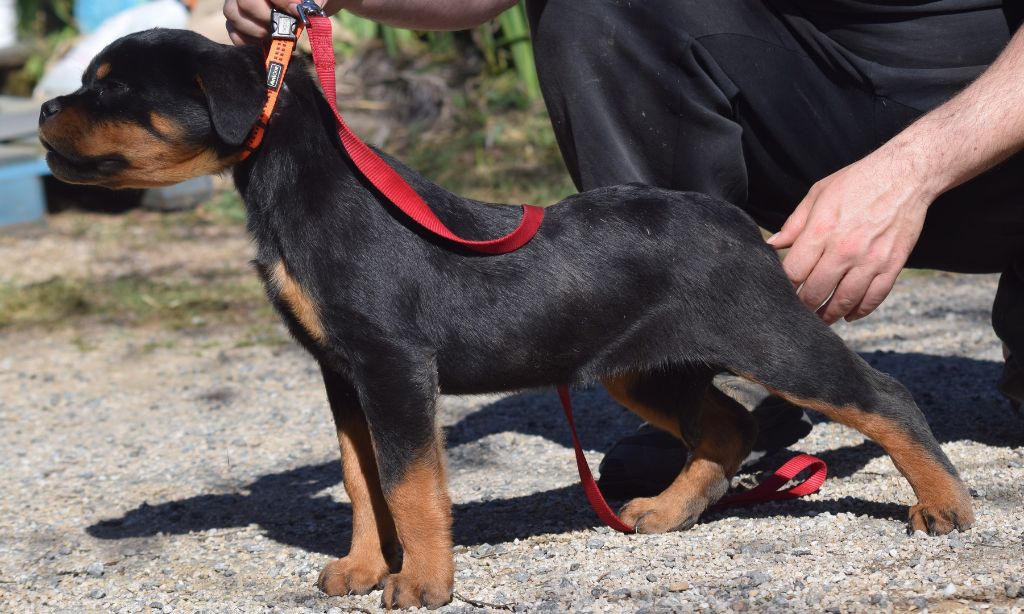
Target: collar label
(274, 75)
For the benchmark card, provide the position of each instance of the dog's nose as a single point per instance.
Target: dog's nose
(49, 109)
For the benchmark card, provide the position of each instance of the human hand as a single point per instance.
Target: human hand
(853, 232)
(248, 21)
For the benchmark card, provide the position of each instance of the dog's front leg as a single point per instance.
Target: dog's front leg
(399, 401)
(374, 550)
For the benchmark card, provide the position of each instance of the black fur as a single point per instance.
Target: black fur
(626, 279)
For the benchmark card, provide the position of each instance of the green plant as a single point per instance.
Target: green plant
(504, 44)
(45, 26)
(41, 17)
(517, 37)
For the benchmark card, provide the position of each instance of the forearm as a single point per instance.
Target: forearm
(424, 14)
(975, 130)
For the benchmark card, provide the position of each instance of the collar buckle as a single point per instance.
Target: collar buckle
(283, 25)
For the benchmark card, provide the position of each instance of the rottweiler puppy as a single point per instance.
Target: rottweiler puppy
(648, 291)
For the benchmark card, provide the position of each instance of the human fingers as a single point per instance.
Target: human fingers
(795, 223)
(879, 289)
(248, 19)
(802, 257)
(237, 38)
(821, 282)
(848, 294)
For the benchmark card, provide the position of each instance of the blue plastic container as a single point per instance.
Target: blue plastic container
(21, 192)
(90, 14)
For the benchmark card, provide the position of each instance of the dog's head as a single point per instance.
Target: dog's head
(155, 108)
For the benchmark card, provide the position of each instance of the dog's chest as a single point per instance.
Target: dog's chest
(296, 301)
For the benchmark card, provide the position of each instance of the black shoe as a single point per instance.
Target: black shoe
(1011, 384)
(644, 463)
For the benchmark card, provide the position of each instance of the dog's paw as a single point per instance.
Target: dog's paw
(405, 590)
(347, 576)
(659, 514)
(939, 520)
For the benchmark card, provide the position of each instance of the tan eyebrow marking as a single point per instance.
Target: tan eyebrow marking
(164, 126)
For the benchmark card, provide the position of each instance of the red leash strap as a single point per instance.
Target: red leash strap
(765, 491)
(768, 490)
(385, 178)
(597, 502)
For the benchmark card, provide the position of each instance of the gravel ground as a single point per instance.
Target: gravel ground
(144, 469)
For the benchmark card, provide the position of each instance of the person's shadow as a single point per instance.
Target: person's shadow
(292, 508)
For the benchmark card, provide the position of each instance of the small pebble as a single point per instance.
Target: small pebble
(482, 550)
(757, 578)
(95, 569)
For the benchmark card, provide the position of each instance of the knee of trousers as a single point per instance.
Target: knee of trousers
(567, 31)
(604, 39)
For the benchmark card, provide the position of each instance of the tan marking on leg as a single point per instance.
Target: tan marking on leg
(943, 500)
(374, 550)
(620, 388)
(103, 70)
(422, 511)
(299, 302)
(727, 436)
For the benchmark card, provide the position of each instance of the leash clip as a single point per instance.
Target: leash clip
(307, 8)
(283, 25)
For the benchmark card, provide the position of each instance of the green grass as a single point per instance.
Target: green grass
(223, 209)
(135, 300)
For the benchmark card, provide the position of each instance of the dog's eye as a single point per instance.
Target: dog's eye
(110, 87)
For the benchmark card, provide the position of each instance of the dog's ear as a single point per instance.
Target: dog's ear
(233, 80)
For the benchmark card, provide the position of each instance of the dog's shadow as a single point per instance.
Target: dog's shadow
(292, 508)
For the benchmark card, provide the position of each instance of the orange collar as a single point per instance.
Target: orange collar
(287, 30)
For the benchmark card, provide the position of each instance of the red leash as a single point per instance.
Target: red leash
(402, 195)
(765, 491)
(386, 179)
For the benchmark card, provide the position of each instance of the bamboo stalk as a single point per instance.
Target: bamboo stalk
(517, 33)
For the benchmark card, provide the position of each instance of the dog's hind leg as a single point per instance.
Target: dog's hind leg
(798, 358)
(719, 432)
(374, 550)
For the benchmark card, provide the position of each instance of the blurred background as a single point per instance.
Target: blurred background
(463, 108)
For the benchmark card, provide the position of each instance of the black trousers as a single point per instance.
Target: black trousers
(755, 100)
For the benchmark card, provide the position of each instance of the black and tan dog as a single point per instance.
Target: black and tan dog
(648, 291)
